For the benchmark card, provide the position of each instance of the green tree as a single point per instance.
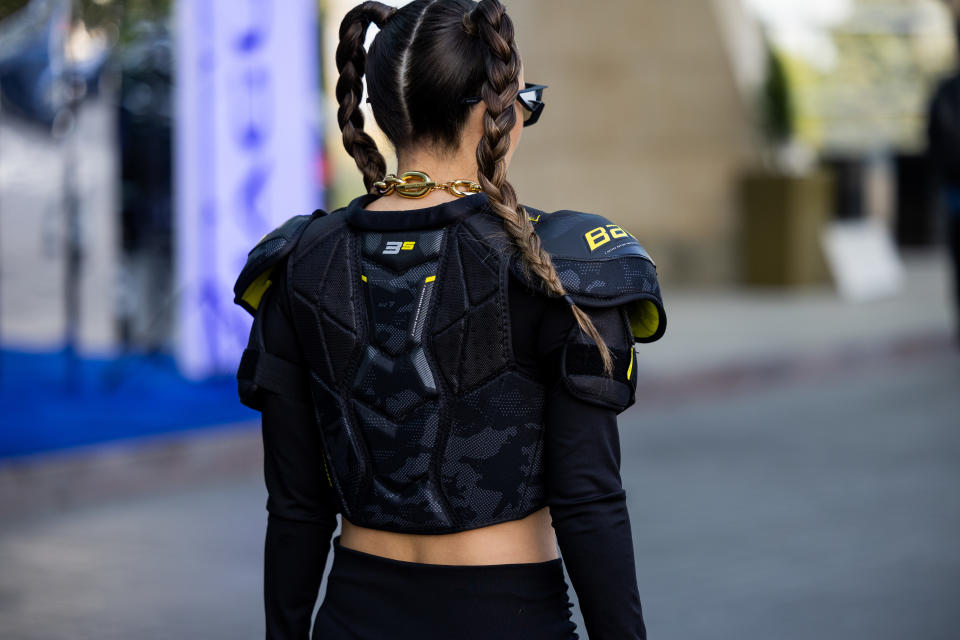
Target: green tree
(96, 14)
(776, 105)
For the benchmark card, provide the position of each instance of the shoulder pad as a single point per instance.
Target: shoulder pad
(603, 265)
(254, 278)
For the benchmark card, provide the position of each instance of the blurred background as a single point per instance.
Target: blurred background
(792, 464)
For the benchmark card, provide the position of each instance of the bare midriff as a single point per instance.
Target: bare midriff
(529, 539)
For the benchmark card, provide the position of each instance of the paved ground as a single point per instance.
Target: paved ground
(822, 509)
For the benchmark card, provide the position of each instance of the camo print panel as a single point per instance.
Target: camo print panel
(398, 277)
(395, 303)
(403, 491)
(395, 397)
(394, 386)
(608, 278)
(493, 461)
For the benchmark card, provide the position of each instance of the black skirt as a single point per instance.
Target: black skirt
(372, 597)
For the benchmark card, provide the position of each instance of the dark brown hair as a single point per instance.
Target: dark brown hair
(427, 57)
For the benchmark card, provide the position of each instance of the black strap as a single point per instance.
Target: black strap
(585, 359)
(584, 377)
(272, 373)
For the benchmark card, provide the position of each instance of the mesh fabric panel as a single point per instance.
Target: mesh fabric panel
(494, 448)
(480, 268)
(484, 344)
(392, 301)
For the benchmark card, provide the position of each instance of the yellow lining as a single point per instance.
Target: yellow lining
(430, 278)
(630, 368)
(644, 318)
(363, 277)
(254, 293)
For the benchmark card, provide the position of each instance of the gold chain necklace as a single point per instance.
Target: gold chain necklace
(417, 184)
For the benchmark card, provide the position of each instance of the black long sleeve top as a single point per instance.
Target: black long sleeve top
(584, 490)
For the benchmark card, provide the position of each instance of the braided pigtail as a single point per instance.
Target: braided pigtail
(490, 22)
(351, 60)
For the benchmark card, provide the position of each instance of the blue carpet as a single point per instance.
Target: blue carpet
(51, 401)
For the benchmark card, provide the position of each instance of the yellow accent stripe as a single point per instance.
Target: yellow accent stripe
(326, 470)
(430, 278)
(254, 293)
(630, 368)
(363, 277)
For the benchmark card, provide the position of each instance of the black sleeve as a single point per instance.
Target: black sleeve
(302, 513)
(587, 501)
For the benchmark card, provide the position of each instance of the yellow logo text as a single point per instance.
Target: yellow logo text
(602, 235)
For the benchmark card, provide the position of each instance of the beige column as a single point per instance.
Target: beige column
(644, 124)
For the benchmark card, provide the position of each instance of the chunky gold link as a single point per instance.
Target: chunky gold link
(417, 184)
(461, 188)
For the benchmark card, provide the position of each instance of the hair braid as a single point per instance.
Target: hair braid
(351, 59)
(490, 22)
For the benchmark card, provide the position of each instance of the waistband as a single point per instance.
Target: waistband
(418, 600)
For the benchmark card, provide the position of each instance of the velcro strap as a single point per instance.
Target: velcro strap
(585, 378)
(272, 373)
(585, 359)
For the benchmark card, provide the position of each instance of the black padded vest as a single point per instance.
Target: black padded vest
(428, 426)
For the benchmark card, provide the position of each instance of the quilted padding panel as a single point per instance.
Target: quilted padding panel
(403, 489)
(427, 426)
(323, 303)
(493, 460)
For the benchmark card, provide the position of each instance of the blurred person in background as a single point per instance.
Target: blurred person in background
(944, 149)
(465, 358)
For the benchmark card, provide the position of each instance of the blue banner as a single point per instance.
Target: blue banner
(247, 139)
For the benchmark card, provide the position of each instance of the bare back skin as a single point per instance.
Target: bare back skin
(529, 539)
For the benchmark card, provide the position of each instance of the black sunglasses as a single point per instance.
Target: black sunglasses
(530, 97)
